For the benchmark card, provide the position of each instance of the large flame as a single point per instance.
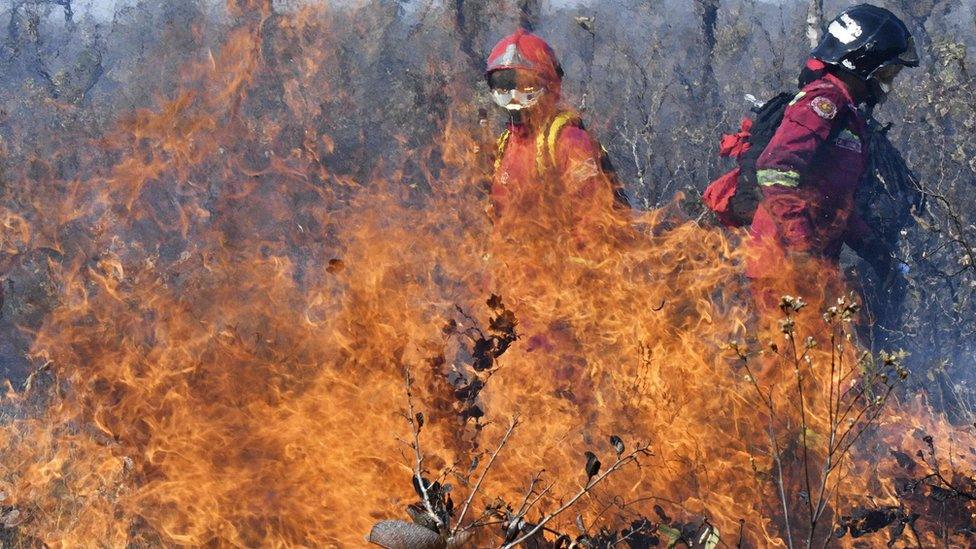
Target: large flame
(225, 364)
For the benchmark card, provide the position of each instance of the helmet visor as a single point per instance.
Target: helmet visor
(514, 89)
(909, 57)
(885, 76)
(517, 99)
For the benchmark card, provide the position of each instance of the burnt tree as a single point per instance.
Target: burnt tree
(815, 22)
(529, 11)
(707, 11)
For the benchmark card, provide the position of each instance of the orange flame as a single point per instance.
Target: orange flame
(225, 363)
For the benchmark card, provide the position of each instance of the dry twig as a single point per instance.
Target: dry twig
(641, 450)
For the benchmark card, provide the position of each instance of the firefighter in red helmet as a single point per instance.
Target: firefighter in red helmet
(545, 153)
(553, 198)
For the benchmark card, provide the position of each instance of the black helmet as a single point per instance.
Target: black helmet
(866, 38)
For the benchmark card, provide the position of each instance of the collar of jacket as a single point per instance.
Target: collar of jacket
(533, 121)
(839, 84)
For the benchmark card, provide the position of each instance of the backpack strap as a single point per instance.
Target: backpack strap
(768, 118)
(843, 119)
(500, 147)
(546, 153)
(546, 144)
(547, 140)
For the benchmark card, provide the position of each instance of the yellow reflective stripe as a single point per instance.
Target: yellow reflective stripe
(545, 142)
(849, 135)
(548, 139)
(798, 97)
(500, 148)
(557, 126)
(767, 178)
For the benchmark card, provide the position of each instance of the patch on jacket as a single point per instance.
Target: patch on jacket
(825, 108)
(848, 140)
(583, 170)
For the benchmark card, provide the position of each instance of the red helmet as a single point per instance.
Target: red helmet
(526, 51)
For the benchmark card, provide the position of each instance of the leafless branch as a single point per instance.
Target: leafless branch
(484, 473)
(418, 468)
(641, 450)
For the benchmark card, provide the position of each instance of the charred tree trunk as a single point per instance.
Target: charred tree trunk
(589, 54)
(468, 15)
(708, 13)
(708, 95)
(815, 22)
(251, 7)
(530, 12)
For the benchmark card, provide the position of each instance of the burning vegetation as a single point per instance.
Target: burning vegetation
(260, 308)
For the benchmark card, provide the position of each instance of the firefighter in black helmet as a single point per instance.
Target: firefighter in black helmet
(816, 162)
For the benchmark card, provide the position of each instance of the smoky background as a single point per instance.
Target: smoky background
(657, 80)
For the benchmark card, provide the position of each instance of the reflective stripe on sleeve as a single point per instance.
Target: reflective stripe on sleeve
(768, 178)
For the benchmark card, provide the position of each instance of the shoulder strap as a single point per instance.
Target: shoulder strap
(500, 146)
(547, 140)
(766, 121)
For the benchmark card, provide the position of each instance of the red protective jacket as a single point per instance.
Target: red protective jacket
(531, 171)
(809, 174)
(550, 165)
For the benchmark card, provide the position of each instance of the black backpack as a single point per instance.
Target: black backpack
(891, 195)
(766, 120)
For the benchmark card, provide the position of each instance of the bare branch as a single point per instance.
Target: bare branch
(418, 454)
(641, 450)
(484, 473)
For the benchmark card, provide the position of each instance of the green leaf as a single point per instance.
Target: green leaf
(710, 538)
(672, 535)
(812, 439)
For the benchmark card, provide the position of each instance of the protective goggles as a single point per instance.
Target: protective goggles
(517, 99)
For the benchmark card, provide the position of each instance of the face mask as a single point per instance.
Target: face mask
(516, 100)
(886, 78)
